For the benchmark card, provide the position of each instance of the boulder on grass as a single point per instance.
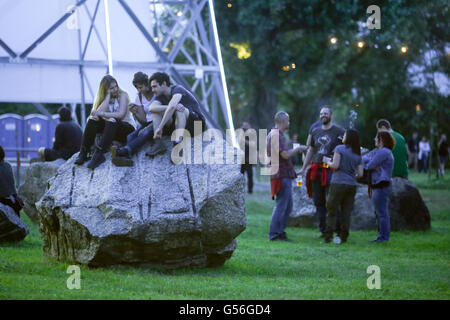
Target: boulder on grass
(12, 229)
(406, 208)
(35, 183)
(154, 213)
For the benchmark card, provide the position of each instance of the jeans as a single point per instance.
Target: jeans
(380, 199)
(319, 194)
(135, 141)
(282, 210)
(341, 196)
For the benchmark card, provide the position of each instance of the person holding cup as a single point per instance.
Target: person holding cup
(324, 140)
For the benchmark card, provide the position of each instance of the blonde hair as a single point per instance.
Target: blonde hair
(105, 83)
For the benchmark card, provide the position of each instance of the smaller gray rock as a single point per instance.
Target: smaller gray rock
(303, 212)
(35, 184)
(12, 229)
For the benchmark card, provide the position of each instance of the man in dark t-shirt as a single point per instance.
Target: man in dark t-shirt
(170, 101)
(324, 139)
(67, 141)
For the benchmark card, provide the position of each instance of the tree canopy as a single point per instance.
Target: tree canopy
(304, 54)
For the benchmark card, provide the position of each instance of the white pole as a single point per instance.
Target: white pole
(222, 72)
(108, 38)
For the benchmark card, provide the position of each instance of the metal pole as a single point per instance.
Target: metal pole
(81, 71)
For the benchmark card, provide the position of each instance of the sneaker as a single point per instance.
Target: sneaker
(82, 157)
(285, 239)
(156, 147)
(337, 240)
(97, 159)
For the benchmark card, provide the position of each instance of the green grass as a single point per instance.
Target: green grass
(414, 265)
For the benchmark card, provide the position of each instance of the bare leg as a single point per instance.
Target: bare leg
(182, 117)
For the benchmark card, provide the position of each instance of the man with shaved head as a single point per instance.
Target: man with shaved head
(281, 177)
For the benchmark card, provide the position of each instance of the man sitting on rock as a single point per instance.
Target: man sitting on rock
(67, 139)
(140, 109)
(167, 105)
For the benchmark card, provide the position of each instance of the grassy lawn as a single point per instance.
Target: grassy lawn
(414, 265)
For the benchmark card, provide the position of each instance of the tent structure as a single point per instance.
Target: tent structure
(56, 51)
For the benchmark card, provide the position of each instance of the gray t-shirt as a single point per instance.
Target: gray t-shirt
(324, 141)
(346, 172)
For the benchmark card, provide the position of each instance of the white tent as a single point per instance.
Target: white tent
(57, 51)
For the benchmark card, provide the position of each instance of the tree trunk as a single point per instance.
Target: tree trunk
(263, 111)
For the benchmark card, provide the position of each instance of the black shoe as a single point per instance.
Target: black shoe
(156, 147)
(119, 152)
(97, 159)
(378, 240)
(82, 157)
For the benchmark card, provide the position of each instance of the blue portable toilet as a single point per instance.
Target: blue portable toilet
(11, 133)
(36, 133)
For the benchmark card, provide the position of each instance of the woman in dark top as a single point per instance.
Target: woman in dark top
(67, 138)
(348, 165)
(110, 116)
(8, 193)
(443, 154)
(381, 162)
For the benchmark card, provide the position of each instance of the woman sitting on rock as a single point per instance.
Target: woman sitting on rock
(348, 165)
(110, 116)
(381, 161)
(8, 193)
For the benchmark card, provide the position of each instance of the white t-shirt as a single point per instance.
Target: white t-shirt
(114, 107)
(146, 103)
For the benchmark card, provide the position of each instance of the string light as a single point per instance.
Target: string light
(333, 40)
(229, 5)
(293, 66)
(404, 49)
(418, 108)
(361, 44)
(179, 13)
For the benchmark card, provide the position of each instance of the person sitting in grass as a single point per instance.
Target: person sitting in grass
(8, 192)
(347, 163)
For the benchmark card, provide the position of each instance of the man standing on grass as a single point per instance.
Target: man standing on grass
(400, 151)
(323, 140)
(281, 179)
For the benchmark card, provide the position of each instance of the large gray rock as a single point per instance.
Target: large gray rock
(12, 229)
(35, 183)
(153, 213)
(406, 208)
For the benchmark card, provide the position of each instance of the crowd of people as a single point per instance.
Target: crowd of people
(332, 168)
(332, 160)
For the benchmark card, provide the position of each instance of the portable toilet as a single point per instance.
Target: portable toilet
(36, 133)
(11, 133)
